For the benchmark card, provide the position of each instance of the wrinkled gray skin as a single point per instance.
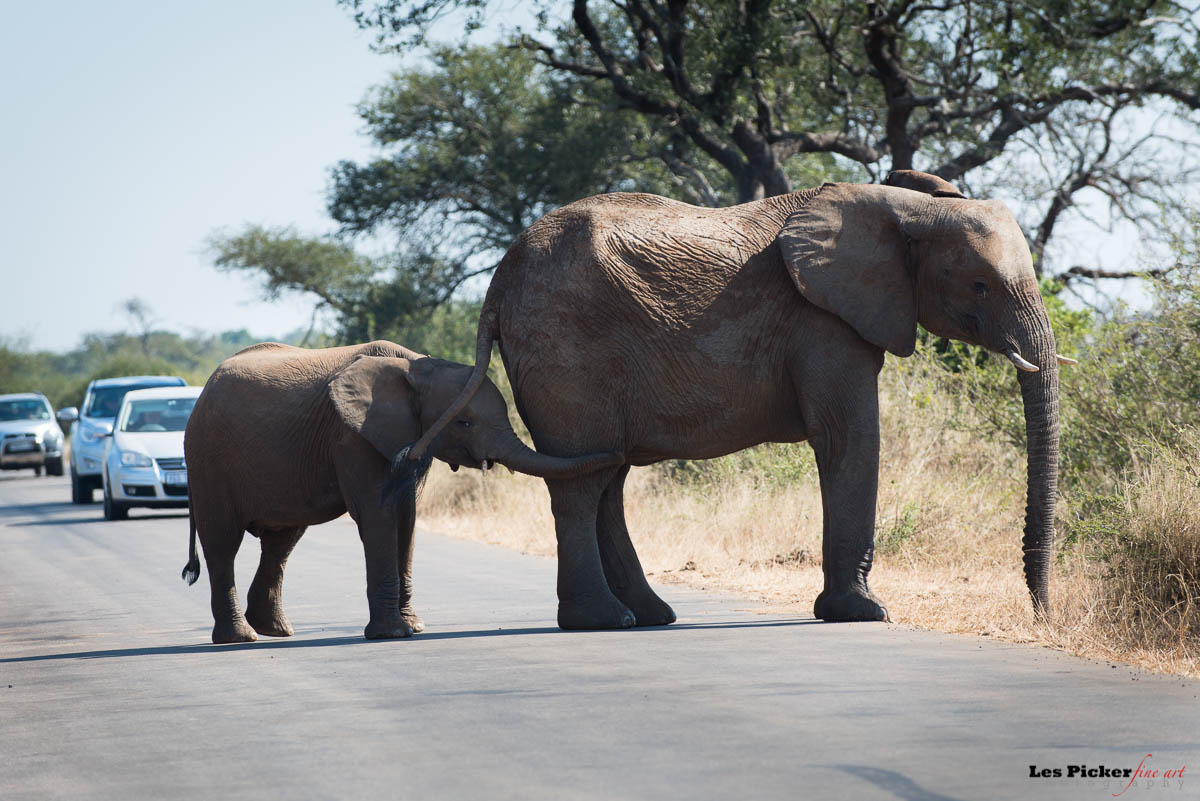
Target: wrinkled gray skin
(635, 324)
(283, 438)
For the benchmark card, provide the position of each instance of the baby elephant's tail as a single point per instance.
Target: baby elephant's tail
(191, 571)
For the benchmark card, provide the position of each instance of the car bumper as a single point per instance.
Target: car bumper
(145, 486)
(14, 459)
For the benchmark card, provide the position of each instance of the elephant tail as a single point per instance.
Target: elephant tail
(483, 355)
(191, 571)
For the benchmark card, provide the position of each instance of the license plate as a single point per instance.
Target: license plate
(13, 447)
(177, 478)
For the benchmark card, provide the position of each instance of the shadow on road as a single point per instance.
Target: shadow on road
(895, 783)
(357, 639)
(37, 508)
(96, 516)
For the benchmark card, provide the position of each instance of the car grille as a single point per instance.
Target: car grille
(170, 464)
(178, 492)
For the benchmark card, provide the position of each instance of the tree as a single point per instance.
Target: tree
(476, 147)
(969, 91)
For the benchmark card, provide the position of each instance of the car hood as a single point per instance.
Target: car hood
(155, 444)
(26, 427)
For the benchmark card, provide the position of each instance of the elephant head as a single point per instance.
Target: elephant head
(391, 401)
(884, 258)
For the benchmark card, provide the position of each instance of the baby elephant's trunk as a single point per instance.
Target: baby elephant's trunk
(520, 458)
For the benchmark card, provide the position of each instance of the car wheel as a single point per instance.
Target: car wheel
(54, 467)
(37, 471)
(114, 510)
(80, 491)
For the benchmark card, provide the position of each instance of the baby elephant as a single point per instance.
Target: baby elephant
(283, 438)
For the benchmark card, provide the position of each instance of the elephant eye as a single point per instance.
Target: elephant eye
(465, 423)
(980, 288)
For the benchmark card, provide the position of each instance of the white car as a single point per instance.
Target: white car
(143, 457)
(94, 421)
(29, 436)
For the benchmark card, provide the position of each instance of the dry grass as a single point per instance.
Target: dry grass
(949, 521)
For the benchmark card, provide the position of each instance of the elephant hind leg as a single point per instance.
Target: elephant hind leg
(622, 569)
(264, 602)
(221, 539)
(585, 600)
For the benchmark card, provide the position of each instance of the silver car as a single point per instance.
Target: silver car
(95, 422)
(29, 436)
(143, 457)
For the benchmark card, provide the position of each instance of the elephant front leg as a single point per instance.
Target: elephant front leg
(585, 600)
(360, 472)
(264, 601)
(847, 454)
(386, 590)
(406, 520)
(622, 568)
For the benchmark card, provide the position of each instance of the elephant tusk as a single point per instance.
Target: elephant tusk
(1021, 364)
(1067, 360)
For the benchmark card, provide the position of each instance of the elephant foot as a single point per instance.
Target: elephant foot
(271, 624)
(848, 606)
(393, 629)
(233, 631)
(610, 614)
(411, 618)
(648, 608)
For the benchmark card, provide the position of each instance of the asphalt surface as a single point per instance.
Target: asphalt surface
(110, 688)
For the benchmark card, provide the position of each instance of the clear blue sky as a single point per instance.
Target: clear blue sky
(132, 130)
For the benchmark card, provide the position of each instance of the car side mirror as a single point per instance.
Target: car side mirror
(68, 415)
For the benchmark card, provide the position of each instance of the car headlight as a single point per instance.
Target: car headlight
(52, 440)
(135, 459)
(90, 435)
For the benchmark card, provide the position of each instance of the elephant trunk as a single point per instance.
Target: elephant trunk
(1039, 392)
(515, 455)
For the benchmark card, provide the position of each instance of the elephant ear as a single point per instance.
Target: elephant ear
(374, 397)
(847, 254)
(923, 182)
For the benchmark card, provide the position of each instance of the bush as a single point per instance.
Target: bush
(1142, 544)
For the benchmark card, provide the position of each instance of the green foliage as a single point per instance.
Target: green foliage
(1097, 519)
(891, 533)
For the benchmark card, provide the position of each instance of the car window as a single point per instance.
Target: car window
(105, 401)
(23, 410)
(158, 414)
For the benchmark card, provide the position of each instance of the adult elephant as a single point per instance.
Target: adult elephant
(636, 324)
(283, 438)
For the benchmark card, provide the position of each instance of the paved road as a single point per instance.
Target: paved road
(109, 688)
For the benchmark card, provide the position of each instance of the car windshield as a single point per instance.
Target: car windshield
(23, 410)
(105, 401)
(159, 414)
